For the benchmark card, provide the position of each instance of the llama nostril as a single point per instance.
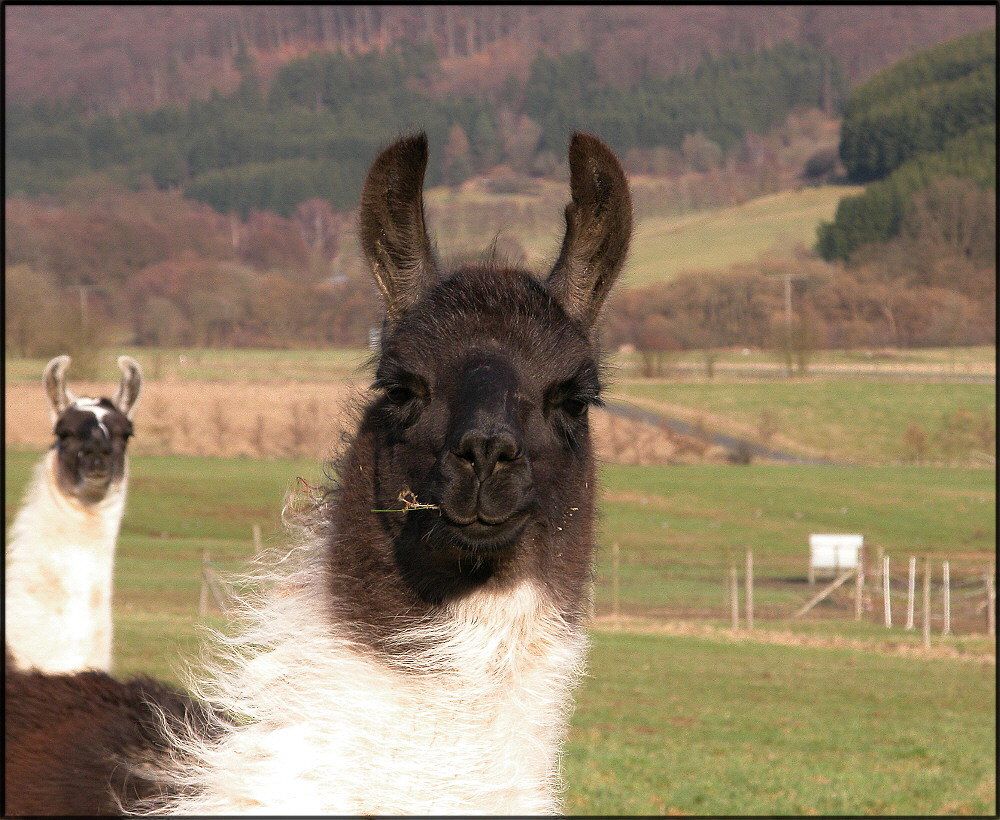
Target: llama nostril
(485, 452)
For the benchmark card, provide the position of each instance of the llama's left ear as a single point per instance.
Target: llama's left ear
(128, 390)
(598, 230)
(54, 379)
(393, 232)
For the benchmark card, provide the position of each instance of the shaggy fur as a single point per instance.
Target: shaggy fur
(60, 553)
(470, 722)
(75, 743)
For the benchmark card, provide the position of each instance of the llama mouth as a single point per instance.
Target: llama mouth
(482, 535)
(95, 477)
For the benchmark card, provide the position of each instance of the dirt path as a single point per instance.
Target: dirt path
(778, 637)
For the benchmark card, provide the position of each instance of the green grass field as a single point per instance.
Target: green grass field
(678, 528)
(719, 238)
(678, 725)
(214, 364)
(858, 420)
(664, 723)
(262, 365)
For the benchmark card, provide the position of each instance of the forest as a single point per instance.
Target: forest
(931, 115)
(225, 219)
(313, 131)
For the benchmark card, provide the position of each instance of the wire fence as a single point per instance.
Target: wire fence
(936, 595)
(933, 595)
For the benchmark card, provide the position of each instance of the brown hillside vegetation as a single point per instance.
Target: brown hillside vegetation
(141, 56)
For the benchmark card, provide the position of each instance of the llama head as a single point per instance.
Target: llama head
(91, 434)
(477, 439)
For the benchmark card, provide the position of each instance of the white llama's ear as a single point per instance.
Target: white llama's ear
(54, 379)
(598, 230)
(392, 228)
(131, 383)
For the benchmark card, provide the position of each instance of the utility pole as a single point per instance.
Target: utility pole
(84, 315)
(788, 302)
(788, 324)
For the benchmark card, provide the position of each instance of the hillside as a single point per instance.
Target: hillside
(664, 244)
(142, 56)
(920, 124)
(720, 238)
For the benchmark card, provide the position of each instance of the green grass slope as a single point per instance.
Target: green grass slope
(716, 239)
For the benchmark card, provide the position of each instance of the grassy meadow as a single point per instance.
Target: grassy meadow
(716, 239)
(665, 723)
(678, 713)
(865, 421)
(682, 725)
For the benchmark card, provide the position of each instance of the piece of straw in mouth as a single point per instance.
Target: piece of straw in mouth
(409, 501)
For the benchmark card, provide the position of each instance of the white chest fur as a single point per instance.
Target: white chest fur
(59, 565)
(473, 725)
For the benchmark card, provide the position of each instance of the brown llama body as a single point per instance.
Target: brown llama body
(416, 650)
(75, 743)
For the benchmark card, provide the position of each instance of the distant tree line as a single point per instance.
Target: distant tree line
(112, 57)
(106, 265)
(723, 99)
(931, 115)
(313, 131)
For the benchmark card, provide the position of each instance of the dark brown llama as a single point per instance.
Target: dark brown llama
(417, 650)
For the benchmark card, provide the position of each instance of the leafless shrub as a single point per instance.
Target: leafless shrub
(258, 437)
(915, 443)
(767, 424)
(220, 424)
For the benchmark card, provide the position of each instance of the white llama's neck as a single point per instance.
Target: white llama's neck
(472, 723)
(59, 565)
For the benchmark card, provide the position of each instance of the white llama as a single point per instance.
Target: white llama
(61, 548)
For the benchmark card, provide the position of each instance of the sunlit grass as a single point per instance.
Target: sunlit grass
(664, 723)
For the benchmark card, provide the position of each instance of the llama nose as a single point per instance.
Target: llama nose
(485, 452)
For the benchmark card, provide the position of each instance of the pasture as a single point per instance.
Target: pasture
(718, 238)
(699, 723)
(663, 245)
(334, 363)
(863, 421)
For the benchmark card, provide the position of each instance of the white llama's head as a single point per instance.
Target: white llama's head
(91, 433)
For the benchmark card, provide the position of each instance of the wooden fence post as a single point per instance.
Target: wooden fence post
(734, 595)
(946, 581)
(614, 582)
(911, 588)
(749, 582)
(256, 539)
(823, 593)
(886, 599)
(203, 592)
(859, 589)
(927, 602)
(991, 602)
(209, 585)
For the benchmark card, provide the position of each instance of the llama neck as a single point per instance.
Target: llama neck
(59, 565)
(474, 724)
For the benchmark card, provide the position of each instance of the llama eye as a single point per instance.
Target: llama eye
(399, 395)
(575, 407)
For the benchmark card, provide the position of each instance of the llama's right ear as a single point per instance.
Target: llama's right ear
(54, 379)
(393, 233)
(131, 383)
(598, 230)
